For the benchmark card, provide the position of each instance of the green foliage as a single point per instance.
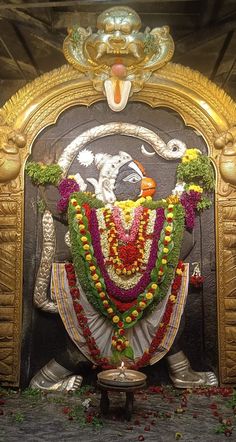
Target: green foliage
(198, 171)
(232, 402)
(31, 393)
(19, 417)
(204, 203)
(42, 174)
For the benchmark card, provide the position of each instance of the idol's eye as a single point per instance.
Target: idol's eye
(133, 178)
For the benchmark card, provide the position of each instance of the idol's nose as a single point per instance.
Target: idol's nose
(148, 186)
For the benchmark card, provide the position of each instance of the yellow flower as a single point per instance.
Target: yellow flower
(149, 296)
(170, 215)
(78, 207)
(190, 155)
(179, 272)
(160, 273)
(98, 285)
(92, 268)
(115, 319)
(88, 257)
(71, 177)
(170, 206)
(94, 277)
(142, 304)
(135, 313)
(154, 286)
(166, 250)
(81, 226)
(163, 261)
(169, 229)
(79, 216)
(102, 295)
(167, 238)
(126, 343)
(173, 199)
(73, 200)
(195, 188)
(172, 298)
(128, 319)
(86, 247)
(83, 238)
(105, 303)
(110, 310)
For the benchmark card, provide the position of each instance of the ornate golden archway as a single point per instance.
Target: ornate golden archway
(201, 104)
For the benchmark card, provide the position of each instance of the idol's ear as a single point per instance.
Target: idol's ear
(107, 191)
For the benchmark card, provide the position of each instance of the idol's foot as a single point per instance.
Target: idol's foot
(183, 376)
(54, 377)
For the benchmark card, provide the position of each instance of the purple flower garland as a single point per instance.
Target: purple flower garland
(189, 201)
(66, 187)
(112, 288)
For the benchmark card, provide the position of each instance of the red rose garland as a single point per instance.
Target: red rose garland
(91, 343)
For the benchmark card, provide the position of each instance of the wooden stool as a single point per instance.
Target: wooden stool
(129, 391)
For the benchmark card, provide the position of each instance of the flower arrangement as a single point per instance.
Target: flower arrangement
(196, 174)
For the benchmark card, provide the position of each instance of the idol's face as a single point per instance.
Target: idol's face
(131, 182)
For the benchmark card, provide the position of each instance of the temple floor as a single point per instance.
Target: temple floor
(160, 413)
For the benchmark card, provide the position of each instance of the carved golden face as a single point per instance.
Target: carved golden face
(10, 163)
(118, 37)
(118, 57)
(227, 142)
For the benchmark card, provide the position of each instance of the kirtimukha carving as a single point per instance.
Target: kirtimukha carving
(11, 141)
(118, 57)
(226, 142)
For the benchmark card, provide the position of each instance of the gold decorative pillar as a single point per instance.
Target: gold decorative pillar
(11, 253)
(226, 252)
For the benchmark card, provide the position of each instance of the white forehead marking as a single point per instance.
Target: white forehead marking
(136, 168)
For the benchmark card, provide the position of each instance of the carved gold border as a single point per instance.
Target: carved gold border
(201, 104)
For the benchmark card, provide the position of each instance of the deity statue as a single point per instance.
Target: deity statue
(122, 295)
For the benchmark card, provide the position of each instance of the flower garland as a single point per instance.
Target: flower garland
(66, 187)
(195, 176)
(112, 287)
(95, 287)
(91, 342)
